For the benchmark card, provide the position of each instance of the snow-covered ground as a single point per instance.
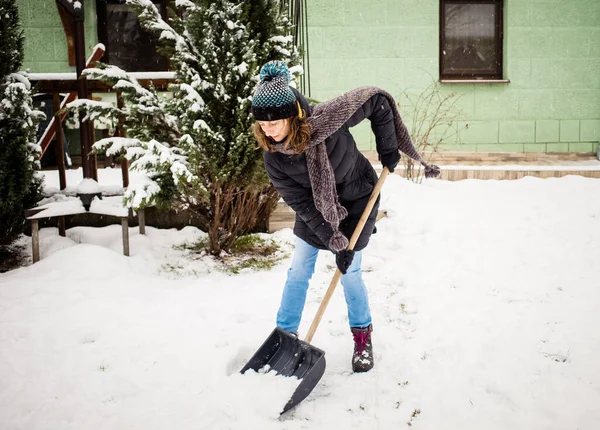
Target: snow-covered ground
(485, 297)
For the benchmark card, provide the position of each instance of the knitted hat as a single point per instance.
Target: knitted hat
(273, 97)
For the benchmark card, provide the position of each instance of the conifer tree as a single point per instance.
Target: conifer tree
(197, 146)
(20, 188)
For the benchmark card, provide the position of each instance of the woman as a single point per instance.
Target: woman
(313, 162)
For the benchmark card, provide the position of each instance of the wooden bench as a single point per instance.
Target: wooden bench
(74, 206)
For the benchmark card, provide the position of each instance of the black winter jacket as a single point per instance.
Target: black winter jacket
(354, 176)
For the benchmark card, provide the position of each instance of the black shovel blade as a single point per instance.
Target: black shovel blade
(289, 356)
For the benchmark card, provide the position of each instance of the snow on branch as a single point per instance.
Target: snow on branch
(161, 164)
(113, 146)
(192, 95)
(283, 51)
(151, 19)
(95, 110)
(16, 101)
(118, 78)
(282, 39)
(184, 4)
(142, 194)
(20, 77)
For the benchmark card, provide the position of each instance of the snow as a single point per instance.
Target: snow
(20, 77)
(88, 186)
(109, 206)
(66, 205)
(152, 75)
(140, 194)
(184, 3)
(295, 70)
(116, 144)
(99, 46)
(110, 181)
(123, 84)
(242, 68)
(575, 166)
(484, 297)
(282, 39)
(283, 51)
(191, 94)
(76, 4)
(52, 76)
(201, 124)
(591, 165)
(70, 206)
(168, 35)
(90, 104)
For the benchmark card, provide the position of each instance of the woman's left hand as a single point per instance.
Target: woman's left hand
(390, 160)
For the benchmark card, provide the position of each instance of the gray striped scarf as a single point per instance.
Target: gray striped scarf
(327, 118)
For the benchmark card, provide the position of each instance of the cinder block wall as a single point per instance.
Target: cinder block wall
(551, 57)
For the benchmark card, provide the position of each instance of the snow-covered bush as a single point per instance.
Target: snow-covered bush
(196, 144)
(20, 188)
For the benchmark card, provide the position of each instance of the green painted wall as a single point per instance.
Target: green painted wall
(551, 57)
(45, 41)
(551, 50)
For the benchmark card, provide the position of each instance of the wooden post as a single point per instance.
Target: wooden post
(93, 158)
(60, 144)
(61, 226)
(142, 221)
(35, 240)
(82, 93)
(109, 160)
(121, 133)
(125, 230)
(125, 172)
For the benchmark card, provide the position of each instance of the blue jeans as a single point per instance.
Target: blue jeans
(294, 292)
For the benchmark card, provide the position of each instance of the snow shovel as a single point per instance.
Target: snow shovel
(287, 355)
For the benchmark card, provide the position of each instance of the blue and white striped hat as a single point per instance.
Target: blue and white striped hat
(273, 97)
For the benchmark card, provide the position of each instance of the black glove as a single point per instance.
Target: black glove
(343, 260)
(390, 160)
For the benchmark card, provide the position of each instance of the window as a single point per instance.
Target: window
(128, 46)
(471, 39)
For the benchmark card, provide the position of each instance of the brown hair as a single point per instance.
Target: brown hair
(297, 140)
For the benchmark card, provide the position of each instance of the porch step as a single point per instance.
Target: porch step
(507, 166)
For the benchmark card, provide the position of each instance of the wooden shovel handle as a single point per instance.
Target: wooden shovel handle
(357, 231)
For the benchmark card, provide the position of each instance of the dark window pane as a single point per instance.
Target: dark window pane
(128, 45)
(471, 45)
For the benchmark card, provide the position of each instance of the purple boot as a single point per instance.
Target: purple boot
(362, 359)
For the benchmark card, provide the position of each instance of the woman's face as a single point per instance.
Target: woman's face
(277, 130)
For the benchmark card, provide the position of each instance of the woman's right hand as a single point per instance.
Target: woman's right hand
(343, 260)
